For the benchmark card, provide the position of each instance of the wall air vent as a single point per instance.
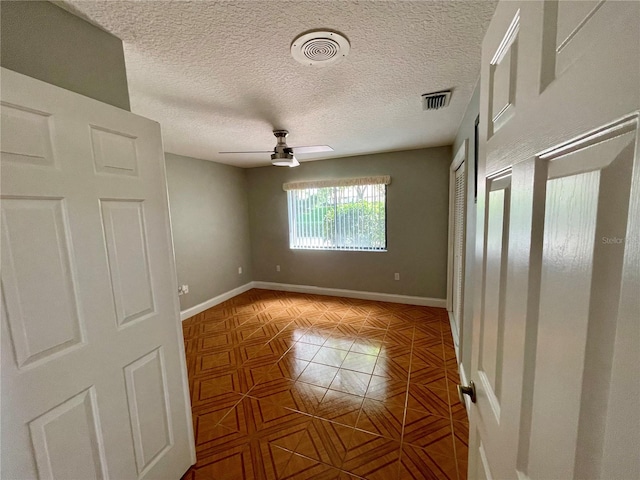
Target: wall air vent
(436, 100)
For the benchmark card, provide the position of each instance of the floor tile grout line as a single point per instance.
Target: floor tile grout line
(406, 402)
(218, 423)
(328, 328)
(453, 439)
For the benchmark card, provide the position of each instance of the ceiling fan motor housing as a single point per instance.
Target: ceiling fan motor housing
(282, 155)
(281, 146)
(285, 154)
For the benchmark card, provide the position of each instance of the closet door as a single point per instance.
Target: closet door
(457, 220)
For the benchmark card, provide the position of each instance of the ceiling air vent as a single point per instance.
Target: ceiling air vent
(436, 100)
(320, 48)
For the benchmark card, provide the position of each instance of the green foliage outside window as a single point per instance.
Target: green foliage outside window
(345, 218)
(360, 225)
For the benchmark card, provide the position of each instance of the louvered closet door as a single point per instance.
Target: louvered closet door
(556, 306)
(93, 368)
(460, 186)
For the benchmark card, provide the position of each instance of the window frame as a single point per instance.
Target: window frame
(382, 181)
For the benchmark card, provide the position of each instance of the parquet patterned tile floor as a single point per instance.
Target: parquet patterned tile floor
(288, 385)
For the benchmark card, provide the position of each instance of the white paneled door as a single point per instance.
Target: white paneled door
(93, 368)
(556, 344)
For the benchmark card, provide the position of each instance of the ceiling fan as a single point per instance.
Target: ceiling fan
(283, 155)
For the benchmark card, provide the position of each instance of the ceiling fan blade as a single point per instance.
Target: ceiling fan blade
(312, 149)
(253, 151)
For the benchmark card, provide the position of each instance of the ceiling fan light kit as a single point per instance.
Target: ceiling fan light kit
(291, 162)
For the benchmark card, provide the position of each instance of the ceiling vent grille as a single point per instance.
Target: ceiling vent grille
(436, 100)
(320, 48)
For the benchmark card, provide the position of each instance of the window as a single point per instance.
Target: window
(345, 214)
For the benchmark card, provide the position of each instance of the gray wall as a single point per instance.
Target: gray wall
(417, 213)
(43, 41)
(466, 132)
(210, 223)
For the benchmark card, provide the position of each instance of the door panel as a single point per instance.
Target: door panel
(577, 25)
(114, 152)
(124, 227)
(555, 251)
(585, 226)
(502, 77)
(489, 347)
(40, 297)
(582, 98)
(148, 401)
(621, 422)
(67, 440)
(492, 326)
(26, 136)
(93, 368)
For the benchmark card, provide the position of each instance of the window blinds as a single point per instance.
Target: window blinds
(347, 214)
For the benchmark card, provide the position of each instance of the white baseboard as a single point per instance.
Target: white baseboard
(339, 292)
(336, 292)
(212, 302)
(454, 334)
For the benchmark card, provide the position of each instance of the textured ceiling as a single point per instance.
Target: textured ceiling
(219, 76)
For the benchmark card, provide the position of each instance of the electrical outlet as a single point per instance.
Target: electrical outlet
(239, 270)
(396, 276)
(277, 268)
(183, 289)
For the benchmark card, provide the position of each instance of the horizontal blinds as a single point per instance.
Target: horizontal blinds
(340, 182)
(346, 217)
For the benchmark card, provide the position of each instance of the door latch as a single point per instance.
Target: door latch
(467, 390)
